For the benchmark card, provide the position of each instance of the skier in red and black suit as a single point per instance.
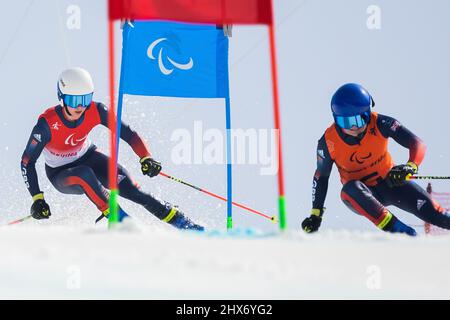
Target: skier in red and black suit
(72, 163)
(357, 143)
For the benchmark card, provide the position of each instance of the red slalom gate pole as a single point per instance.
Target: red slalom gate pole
(271, 218)
(112, 123)
(277, 116)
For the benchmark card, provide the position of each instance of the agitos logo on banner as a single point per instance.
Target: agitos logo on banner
(166, 70)
(174, 59)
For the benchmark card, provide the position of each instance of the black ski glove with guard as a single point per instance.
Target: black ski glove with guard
(40, 209)
(400, 174)
(312, 223)
(150, 167)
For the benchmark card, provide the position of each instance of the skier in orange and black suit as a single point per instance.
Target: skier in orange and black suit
(357, 143)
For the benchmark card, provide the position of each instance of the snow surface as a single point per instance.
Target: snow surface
(43, 260)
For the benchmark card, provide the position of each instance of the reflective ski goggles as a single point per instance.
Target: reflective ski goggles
(74, 102)
(348, 122)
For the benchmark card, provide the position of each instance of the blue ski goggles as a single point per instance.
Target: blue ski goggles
(348, 122)
(73, 101)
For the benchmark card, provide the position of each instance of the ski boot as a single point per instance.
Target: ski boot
(400, 227)
(396, 226)
(177, 219)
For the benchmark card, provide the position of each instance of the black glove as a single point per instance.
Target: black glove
(312, 223)
(400, 174)
(150, 167)
(40, 209)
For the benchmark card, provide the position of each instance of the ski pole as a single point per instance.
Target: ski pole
(427, 178)
(19, 220)
(271, 218)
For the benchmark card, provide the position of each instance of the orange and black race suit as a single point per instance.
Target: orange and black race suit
(367, 161)
(364, 163)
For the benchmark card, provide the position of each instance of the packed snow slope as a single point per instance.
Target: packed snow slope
(43, 261)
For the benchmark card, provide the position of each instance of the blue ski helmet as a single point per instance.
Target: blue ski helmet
(351, 106)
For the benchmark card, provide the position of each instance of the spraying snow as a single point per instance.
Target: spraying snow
(158, 262)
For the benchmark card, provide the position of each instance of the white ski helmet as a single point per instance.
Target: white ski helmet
(75, 88)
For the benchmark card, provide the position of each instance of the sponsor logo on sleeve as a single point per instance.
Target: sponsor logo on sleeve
(37, 137)
(395, 125)
(56, 125)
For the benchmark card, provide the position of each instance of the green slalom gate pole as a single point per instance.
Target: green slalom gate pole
(229, 222)
(113, 209)
(282, 208)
